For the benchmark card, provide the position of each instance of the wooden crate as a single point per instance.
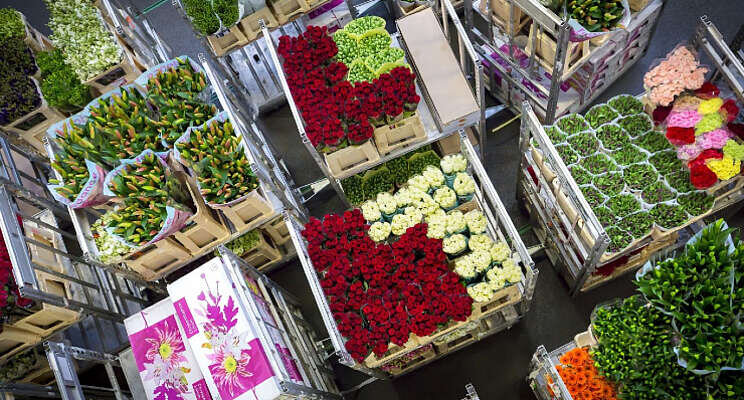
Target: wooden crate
(277, 230)
(348, 158)
(224, 42)
(500, 15)
(394, 351)
(285, 10)
(399, 134)
(414, 362)
(264, 254)
(406, 11)
(158, 259)
(254, 210)
(546, 46)
(14, 340)
(48, 320)
(638, 5)
(250, 26)
(33, 126)
(117, 75)
(505, 297)
(203, 229)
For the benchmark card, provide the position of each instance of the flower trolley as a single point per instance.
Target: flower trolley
(577, 222)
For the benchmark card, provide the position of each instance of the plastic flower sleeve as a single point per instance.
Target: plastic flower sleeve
(579, 33)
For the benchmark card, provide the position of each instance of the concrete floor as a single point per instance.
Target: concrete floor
(497, 365)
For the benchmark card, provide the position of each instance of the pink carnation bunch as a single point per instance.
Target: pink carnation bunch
(714, 139)
(683, 119)
(680, 71)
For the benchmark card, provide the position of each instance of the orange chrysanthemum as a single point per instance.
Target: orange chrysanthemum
(581, 377)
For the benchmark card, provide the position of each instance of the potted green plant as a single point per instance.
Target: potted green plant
(605, 216)
(668, 216)
(592, 196)
(638, 224)
(626, 105)
(666, 162)
(638, 176)
(619, 239)
(696, 203)
(581, 175)
(652, 142)
(680, 181)
(600, 115)
(629, 154)
(613, 137)
(610, 183)
(623, 205)
(584, 143)
(598, 164)
(657, 192)
(636, 125)
(567, 153)
(572, 124)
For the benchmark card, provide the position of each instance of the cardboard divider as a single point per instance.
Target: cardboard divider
(48, 320)
(251, 28)
(399, 134)
(350, 157)
(203, 228)
(249, 213)
(34, 39)
(278, 231)
(284, 10)
(158, 259)
(546, 48)
(263, 254)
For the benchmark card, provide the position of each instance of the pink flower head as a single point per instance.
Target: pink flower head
(688, 151)
(683, 119)
(230, 370)
(714, 139)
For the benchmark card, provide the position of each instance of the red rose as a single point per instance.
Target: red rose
(707, 91)
(730, 110)
(704, 155)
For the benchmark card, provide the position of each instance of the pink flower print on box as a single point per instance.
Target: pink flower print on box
(237, 363)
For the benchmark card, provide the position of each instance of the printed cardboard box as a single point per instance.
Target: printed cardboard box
(165, 363)
(215, 320)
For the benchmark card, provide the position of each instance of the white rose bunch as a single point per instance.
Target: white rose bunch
(434, 176)
(454, 244)
(453, 163)
(455, 222)
(400, 223)
(445, 197)
(423, 202)
(512, 272)
(481, 259)
(500, 252)
(496, 278)
(476, 221)
(480, 292)
(463, 184)
(465, 268)
(402, 197)
(437, 225)
(415, 215)
(370, 211)
(419, 182)
(480, 242)
(386, 202)
(379, 231)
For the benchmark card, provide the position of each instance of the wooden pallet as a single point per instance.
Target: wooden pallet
(351, 157)
(48, 320)
(421, 358)
(546, 47)
(158, 259)
(500, 15)
(399, 134)
(203, 229)
(502, 298)
(457, 340)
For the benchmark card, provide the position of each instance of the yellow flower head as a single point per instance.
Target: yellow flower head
(725, 168)
(710, 106)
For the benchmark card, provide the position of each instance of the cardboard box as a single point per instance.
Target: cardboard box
(163, 360)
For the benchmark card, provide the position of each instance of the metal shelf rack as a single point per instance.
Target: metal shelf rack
(551, 95)
(469, 63)
(500, 226)
(575, 259)
(137, 33)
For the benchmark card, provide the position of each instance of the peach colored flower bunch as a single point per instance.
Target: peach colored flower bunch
(680, 71)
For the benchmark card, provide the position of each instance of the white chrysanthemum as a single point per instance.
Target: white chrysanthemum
(496, 277)
(454, 244)
(423, 202)
(500, 252)
(512, 272)
(463, 184)
(455, 221)
(379, 231)
(445, 197)
(370, 211)
(453, 163)
(386, 202)
(437, 230)
(434, 176)
(438, 215)
(476, 221)
(480, 242)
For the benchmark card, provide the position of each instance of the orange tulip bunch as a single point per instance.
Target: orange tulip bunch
(581, 377)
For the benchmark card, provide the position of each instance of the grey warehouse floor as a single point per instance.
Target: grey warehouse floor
(497, 365)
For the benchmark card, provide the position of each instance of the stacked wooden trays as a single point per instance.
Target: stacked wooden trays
(14, 340)
(546, 48)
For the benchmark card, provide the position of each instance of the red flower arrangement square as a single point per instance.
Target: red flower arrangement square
(381, 293)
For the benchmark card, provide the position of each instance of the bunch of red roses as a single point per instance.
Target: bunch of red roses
(380, 293)
(334, 110)
(10, 297)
